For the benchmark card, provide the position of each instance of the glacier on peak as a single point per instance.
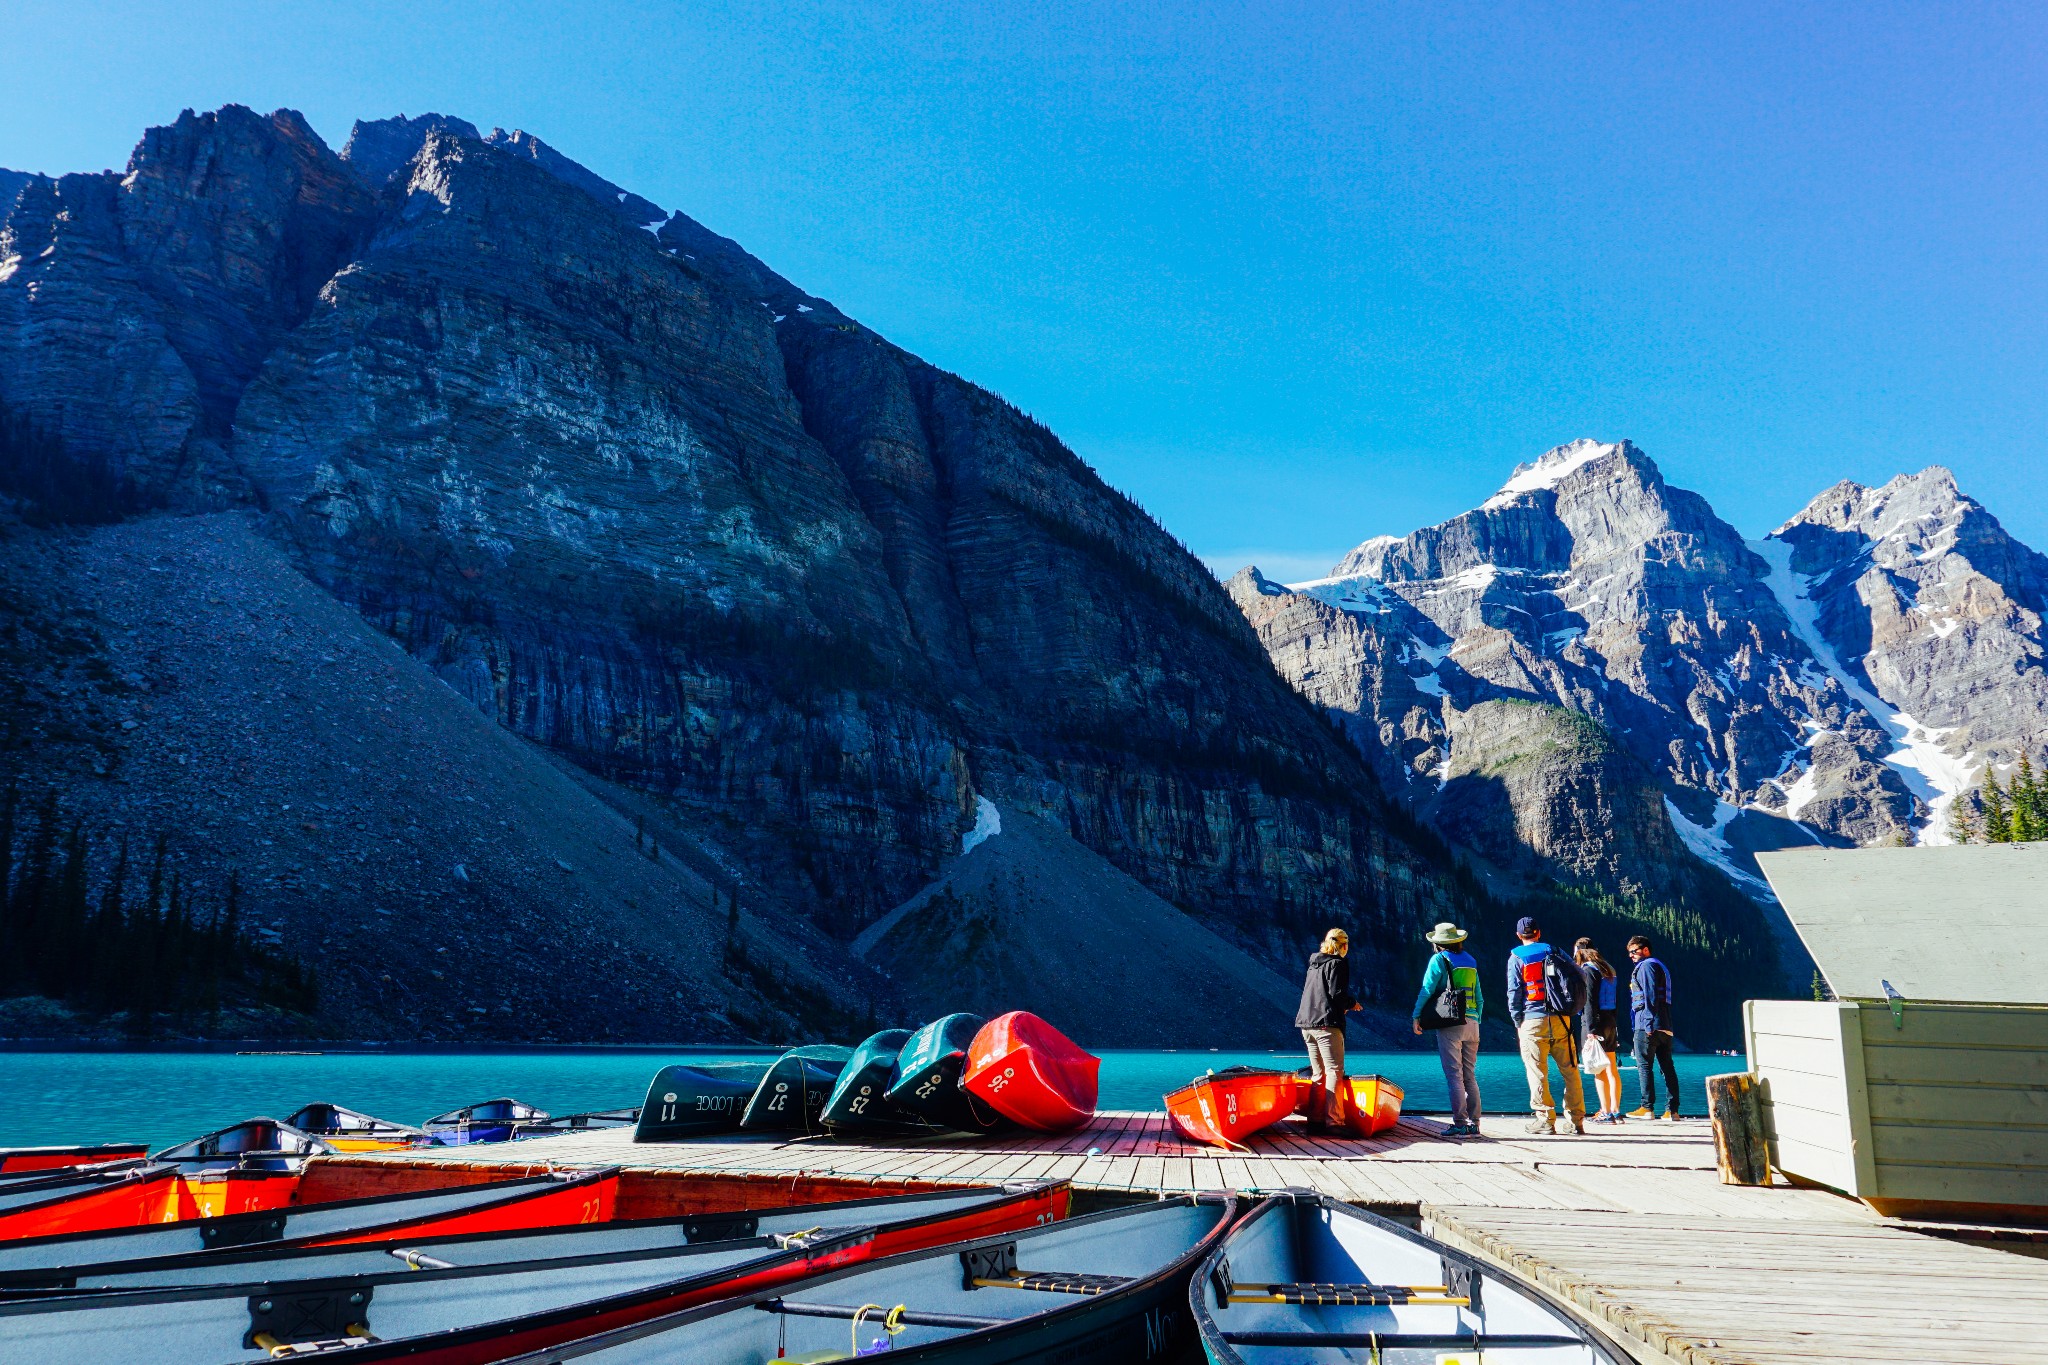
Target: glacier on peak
(1546, 469)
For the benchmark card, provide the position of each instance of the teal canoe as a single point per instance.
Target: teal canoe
(695, 1099)
(926, 1081)
(859, 1103)
(793, 1092)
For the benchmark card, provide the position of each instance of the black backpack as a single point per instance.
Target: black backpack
(1564, 988)
(1446, 1009)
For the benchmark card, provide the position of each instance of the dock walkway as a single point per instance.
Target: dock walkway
(1631, 1225)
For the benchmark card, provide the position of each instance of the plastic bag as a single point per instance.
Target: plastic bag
(1593, 1060)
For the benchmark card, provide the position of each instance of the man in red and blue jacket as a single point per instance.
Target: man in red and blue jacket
(1543, 996)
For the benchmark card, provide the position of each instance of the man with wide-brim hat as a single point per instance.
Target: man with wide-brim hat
(1449, 1004)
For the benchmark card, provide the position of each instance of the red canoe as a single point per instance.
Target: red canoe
(1031, 1073)
(1226, 1107)
(14, 1160)
(1372, 1104)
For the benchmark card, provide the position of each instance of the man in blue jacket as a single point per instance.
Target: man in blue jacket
(1543, 996)
(1649, 999)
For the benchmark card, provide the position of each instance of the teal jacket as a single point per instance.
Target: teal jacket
(1465, 969)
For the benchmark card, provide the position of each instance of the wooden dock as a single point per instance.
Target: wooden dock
(1630, 1224)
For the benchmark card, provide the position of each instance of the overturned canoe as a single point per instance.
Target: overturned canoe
(508, 1205)
(899, 1223)
(428, 1306)
(346, 1130)
(16, 1161)
(485, 1121)
(792, 1093)
(1307, 1278)
(1226, 1107)
(255, 1144)
(859, 1100)
(1030, 1072)
(1111, 1287)
(691, 1099)
(926, 1078)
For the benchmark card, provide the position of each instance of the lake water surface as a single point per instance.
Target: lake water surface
(166, 1097)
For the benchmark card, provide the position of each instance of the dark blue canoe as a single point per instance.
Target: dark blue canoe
(1108, 1289)
(859, 1103)
(793, 1092)
(691, 1099)
(1307, 1278)
(926, 1079)
(488, 1121)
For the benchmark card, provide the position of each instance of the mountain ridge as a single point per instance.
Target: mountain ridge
(647, 505)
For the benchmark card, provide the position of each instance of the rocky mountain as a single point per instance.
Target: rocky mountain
(1837, 682)
(747, 567)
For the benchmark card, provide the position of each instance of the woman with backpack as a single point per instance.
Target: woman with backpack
(1599, 1021)
(1449, 1003)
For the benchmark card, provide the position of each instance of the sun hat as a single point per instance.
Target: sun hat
(1446, 932)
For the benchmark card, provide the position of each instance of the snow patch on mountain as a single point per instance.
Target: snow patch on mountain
(1931, 772)
(1710, 843)
(988, 822)
(1546, 469)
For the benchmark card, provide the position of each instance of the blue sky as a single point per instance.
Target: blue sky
(1291, 276)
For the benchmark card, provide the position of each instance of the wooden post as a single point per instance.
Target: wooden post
(1736, 1104)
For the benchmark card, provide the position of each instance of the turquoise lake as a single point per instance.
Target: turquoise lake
(166, 1097)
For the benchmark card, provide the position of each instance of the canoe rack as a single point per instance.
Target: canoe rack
(995, 1267)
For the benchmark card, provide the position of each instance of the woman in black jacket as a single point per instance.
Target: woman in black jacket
(1325, 1000)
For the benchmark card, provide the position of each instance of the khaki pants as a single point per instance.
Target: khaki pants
(1325, 1074)
(1545, 1036)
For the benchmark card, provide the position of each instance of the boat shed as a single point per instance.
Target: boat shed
(1922, 1087)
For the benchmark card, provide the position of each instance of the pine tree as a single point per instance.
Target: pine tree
(2028, 793)
(1997, 812)
(1962, 819)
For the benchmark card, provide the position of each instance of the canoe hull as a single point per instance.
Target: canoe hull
(926, 1078)
(792, 1094)
(859, 1101)
(685, 1101)
(1138, 1312)
(1372, 1105)
(1307, 1277)
(21, 1160)
(1031, 1073)
(1226, 1108)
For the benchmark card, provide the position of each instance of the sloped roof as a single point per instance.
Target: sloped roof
(1966, 922)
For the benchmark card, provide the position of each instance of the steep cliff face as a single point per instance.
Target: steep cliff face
(646, 503)
(1837, 682)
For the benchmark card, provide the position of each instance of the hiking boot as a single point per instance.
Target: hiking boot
(1644, 1113)
(1543, 1128)
(1578, 1130)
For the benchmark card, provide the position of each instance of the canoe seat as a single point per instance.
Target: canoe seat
(1413, 1341)
(1054, 1282)
(1344, 1295)
(994, 1266)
